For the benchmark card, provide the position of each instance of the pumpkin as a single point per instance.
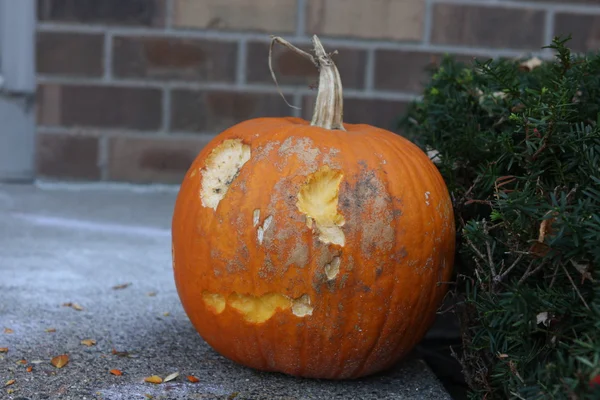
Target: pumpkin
(317, 249)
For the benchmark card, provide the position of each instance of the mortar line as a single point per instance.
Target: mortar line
(370, 71)
(301, 41)
(166, 110)
(549, 30)
(106, 133)
(169, 8)
(297, 101)
(242, 62)
(300, 18)
(428, 22)
(225, 87)
(527, 5)
(103, 157)
(107, 55)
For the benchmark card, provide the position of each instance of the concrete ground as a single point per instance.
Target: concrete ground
(73, 244)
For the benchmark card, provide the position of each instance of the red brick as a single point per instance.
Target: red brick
(174, 58)
(269, 16)
(496, 27)
(215, 111)
(292, 69)
(99, 106)
(152, 160)
(406, 71)
(111, 12)
(585, 31)
(368, 19)
(75, 54)
(67, 156)
(376, 112)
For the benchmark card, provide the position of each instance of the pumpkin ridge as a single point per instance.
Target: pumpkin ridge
(373, 144)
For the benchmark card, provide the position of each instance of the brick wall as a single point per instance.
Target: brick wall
(130, 90)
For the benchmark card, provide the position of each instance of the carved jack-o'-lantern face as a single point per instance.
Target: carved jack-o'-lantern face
(312, 251)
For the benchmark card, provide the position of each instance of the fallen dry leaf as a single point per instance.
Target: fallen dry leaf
(30, 368)
(8, 331)
(166, 314)
(50, 330)
(171, 377)
(3, 349)
(531, 64)
(9, 382)
(122, 353)
(151, 294)
(88, 342)
(542, 318)
(22, 362)
(116, 372)
(60, 361)
(74, 306)
(502, 355)
(193, 379)
(121, 286)
(153, 379)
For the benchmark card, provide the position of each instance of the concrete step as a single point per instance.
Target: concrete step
(70, 243)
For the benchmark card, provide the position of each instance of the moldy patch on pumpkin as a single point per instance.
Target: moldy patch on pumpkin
(222, 166)
(303, 148)
(298, 256)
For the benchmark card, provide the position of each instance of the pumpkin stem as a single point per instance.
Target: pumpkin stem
(329, 105)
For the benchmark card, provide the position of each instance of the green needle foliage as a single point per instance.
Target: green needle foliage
(519, 149)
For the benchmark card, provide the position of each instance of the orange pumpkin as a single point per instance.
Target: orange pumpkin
(317, 249)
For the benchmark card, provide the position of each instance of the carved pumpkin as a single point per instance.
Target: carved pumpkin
(317, 249)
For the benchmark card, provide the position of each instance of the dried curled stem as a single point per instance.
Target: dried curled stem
(329, 105)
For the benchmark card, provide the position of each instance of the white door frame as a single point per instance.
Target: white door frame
(17, 90)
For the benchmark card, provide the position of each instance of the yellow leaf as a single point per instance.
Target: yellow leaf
(8, 331)
(171, 377)
(151, 294)
(60, 361)
(50, 330)
(3, 349)
(153, 379)
(88, 342)
(10, 382)
(121, 286)
(166, 314)
(193, 379)
(22, 362)
(116, 372)
(74, 306)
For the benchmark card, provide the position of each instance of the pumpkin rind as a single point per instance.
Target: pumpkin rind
(399, 244)
(317, 249)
